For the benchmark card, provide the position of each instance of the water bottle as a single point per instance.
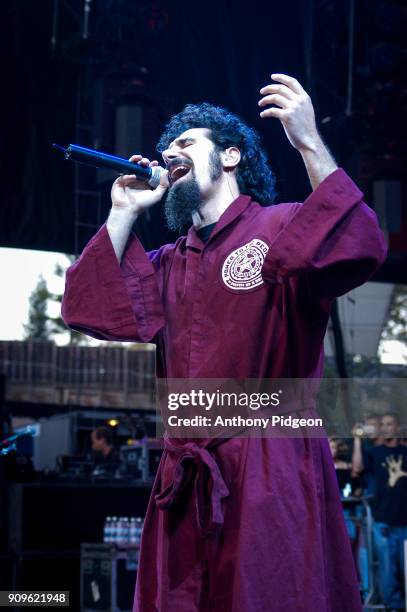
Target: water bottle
(139, 528)
(113, 530)
(133, 531)
(119, 537)
(125, 530)
(107, 530)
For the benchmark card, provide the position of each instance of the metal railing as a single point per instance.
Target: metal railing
(41, 363)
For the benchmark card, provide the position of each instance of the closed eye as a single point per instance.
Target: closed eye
(182, 142)
(187, 142)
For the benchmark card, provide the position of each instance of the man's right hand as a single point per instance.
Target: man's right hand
(130, 197)
(131, 194)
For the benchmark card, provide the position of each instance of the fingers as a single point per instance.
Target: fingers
(130, 179)
(139, 159)
(143, 161)
(283, 90)
(281, 101)
(290, 82)
(135, 158)
(164, 182)
(284, 95)
(279, 113)
(126, 180)
(287, 90)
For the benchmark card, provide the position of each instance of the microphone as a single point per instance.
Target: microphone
(90, 157)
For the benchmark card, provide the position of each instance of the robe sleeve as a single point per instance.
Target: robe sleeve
(109, 301)
(333, 239)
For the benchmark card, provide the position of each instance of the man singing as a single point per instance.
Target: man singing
(238, 524)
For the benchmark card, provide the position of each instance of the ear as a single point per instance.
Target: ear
(230, 158)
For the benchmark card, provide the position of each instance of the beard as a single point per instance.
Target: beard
(185, 196)
(183, 199)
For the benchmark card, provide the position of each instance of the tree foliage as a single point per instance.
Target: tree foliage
(396, 326)
(41, 326)
(38, 327)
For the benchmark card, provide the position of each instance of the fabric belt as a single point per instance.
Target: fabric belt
(196, 468)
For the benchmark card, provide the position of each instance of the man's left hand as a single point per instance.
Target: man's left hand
(293, 108)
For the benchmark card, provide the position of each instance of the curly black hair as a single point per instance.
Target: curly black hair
(254, 176)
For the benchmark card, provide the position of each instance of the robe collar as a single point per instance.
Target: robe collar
(233, 211)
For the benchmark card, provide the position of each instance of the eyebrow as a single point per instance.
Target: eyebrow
(181, 141)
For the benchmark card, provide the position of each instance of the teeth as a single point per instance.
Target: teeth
(179, 167)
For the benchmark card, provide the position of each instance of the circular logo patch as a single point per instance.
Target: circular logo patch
(242, 268)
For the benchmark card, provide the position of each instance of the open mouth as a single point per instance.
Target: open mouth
(177, 171)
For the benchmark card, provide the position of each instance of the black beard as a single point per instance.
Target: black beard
(185, 197)
(182, 200)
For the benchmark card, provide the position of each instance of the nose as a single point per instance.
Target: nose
(170, 153)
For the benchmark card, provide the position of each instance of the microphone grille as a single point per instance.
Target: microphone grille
(154, 180)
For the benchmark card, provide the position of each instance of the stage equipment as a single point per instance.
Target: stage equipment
(10, 443)
(140, 460)
(68, 435)
(107, 577)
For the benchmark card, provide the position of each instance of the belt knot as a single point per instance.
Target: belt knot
(196, 467)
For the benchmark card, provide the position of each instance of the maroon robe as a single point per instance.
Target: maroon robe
(251, 524)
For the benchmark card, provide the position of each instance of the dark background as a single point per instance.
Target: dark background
(161, 55)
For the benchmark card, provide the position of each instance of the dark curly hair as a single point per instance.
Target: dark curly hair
(254, 175)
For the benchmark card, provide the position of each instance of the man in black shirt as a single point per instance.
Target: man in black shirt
(107, 459)
(387, 463)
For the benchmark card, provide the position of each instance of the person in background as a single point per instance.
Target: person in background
(372, 431)
(349, 485)
(343, 467)
(387, 463)
(107, 459)
(369, 436)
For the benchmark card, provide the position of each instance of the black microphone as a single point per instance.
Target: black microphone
(103, 160)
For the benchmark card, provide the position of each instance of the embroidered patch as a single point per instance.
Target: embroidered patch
(242, 268)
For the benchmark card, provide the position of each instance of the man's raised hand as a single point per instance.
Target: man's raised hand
(293, 107)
